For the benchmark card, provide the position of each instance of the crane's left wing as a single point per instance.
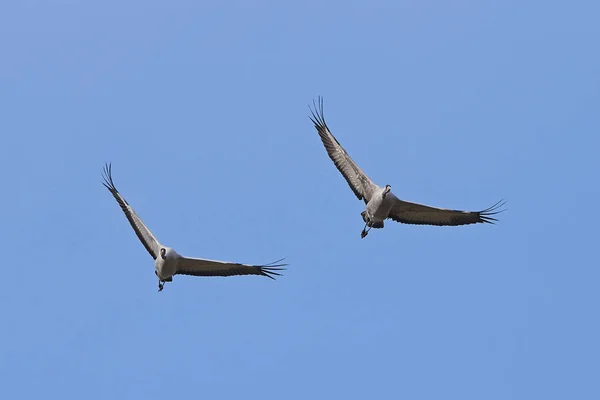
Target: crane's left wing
(203, 267)
(419, 214)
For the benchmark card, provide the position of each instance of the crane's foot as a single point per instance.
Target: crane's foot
(161, 286)
(365, 230)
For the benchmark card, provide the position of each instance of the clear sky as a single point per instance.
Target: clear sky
(202, 109)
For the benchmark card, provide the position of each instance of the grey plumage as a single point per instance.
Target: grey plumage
(169, 263)
(380, 202)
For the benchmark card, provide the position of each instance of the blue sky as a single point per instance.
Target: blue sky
(202, 109)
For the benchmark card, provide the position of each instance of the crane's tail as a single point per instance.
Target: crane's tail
(367, 220)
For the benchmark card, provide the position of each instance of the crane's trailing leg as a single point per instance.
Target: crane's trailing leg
(365, 218)
(364, 232)
(161, 284)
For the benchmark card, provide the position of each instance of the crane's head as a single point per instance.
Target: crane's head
(386, 190)
(163, 253)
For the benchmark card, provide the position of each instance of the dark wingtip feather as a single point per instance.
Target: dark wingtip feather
(270, 270)
(110, 185)
(107, 177)
(486, 215)
(317, 117)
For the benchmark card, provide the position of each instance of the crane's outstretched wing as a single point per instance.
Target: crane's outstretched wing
(359, 182)
(203, 267)
(141, 230)
(413, 213)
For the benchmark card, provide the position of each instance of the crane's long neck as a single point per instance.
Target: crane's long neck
(385, 191)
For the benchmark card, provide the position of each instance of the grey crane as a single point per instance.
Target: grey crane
(380, 202)
(169, 263)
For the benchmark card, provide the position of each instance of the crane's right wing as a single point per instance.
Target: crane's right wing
(359, 182)
(141, 230)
